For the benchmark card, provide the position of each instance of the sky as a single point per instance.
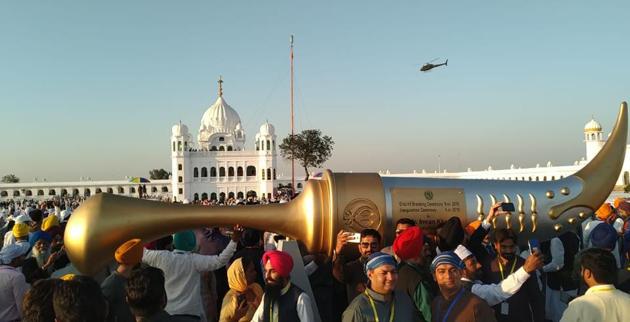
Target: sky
(91, 89)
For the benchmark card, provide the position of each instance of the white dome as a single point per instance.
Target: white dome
(592, 126)
(179, 129)
(267, 129)
(220, 117)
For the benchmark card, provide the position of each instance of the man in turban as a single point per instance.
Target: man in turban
(128, 255)
(13, 284)
(182, 270)
(41, 248)
(413, 276)
(282, 300)
(455, 302)
(381, 301)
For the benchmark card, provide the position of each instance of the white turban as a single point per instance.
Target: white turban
(462, 252)
(12, 251)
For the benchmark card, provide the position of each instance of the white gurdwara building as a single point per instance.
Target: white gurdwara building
(220, 166)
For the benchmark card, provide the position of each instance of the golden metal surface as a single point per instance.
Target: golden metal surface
(557, 227)
(565, 191)
(521, 213)
(534, 213)
(480, 214)
(582, 215)
(549, 194)
(493, 201)
(508, 215)
(600, 175)
(572, 221)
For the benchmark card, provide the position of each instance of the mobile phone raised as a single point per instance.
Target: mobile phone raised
(354, 237)
(534, 245)
(507, 207)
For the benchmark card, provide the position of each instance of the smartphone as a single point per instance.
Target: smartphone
(354, 237)
(533, 245)
(507, 207)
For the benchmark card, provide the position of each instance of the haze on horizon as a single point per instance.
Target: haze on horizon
(92, 89)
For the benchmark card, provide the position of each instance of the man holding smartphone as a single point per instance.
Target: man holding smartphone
(351, 273)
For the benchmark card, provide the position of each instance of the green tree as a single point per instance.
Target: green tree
(158, 174)
(10, 178)
(309, 147)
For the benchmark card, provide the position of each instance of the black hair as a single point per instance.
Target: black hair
(371, 232)
(505, 234)
(601, 263)
(405, 221)
(37, 305)
(36, 215)
(79, 300)
(145, 291)
(251, 237)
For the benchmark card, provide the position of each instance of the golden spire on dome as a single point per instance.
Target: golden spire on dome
(220, 86)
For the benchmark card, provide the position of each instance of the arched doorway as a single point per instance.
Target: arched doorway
(251, 193)
(213, 196)
(239, 195)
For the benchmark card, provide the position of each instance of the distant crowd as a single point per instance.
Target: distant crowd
(456, 272)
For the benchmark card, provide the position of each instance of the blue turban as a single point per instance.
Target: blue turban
(604, 236)
(185, 240)
(378, 259)
(447, 258)
(34, 237)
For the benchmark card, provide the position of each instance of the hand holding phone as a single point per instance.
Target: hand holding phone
(534, 246)
(354, 237)
(507, 207)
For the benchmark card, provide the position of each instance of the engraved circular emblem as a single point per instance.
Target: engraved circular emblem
(360, 214)
(428, 194)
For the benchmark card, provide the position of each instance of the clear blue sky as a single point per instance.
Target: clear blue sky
(92, 88)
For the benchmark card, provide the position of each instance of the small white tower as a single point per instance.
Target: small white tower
(266, 147)
(181, 143)
(594, 138)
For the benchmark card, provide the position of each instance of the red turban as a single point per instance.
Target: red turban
(280, 261)
(409, 243)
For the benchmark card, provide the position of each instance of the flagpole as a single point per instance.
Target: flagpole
(292, 125)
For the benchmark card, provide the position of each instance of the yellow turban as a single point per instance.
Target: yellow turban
(50, 222)
(130, 252)
(67, 277)
(20, 230)
(604, 211)
(236, 276)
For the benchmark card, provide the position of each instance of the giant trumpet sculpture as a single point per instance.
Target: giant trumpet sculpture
(354, 201)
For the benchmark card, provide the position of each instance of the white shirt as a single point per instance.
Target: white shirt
(304, 308)
(13, 286)
(8, 238)
(182, 273)
(599, 303)
(557, 256)
(494, 294)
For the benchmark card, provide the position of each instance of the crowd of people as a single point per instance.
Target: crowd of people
(455, 272)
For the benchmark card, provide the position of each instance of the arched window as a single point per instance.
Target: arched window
(262, 174)
(239, 195)
(121, 190)
(51, 192)
(299, 185)
(537, 179)
(164, 189)
(132, 190)
(553, 178)
(231, 195)
(213, 148)
(196, 196)
(221, 139)
(4, 193)
(251, 170)
(230, 171)
(213, 172)
(179, 145)
(229, 148)
(545, 178)
(274, 173)
(257, 148)
(239, 171)
(180, 179)
(109, 190)
(40, 192)
(98, 190)
(222, 196)
(221, 172)
(16, 193)
(530, 178)
(268, 145)
(251, 193)
(75, 192)
(28, 193)
(196, 172)
(154, 189)
(268, 174)
(213, 196)
(204, 172)
(173, 146)
(87, 192)
(222, 148)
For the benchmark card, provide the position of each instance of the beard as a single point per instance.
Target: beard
(509, 256)
(273, 289)
(40, 256)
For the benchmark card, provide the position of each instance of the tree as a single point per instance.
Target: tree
(10, 178)
(158, 174)
(308, 147)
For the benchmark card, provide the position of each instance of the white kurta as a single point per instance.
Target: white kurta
(494, 294)
(599, 303)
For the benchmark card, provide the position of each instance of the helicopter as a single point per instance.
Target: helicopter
(428, 66)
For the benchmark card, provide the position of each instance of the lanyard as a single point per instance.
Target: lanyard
(450, 307)
(391, 309)
(501, 268)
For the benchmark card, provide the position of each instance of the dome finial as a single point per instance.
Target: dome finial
(220, 86)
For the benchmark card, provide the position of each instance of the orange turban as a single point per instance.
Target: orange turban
(604, 211)
(618, 201)
(129, 253)
(470, 228)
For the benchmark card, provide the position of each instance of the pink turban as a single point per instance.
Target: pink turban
(280, 261)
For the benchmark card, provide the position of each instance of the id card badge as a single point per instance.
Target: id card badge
(505, 308)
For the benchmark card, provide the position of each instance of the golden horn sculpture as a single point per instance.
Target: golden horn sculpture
(349, 201)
